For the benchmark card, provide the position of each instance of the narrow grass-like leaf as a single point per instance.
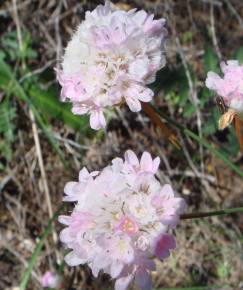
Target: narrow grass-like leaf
(212, 213)
(202, 141)
(47, 101)
(9, 83)
(7, 126)
(239, 54)
(193, 288)
(26, 276)
(210, 60)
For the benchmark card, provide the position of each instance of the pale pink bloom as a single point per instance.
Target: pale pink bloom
(112, 57)
(50, 280)
(230, 85)
(121, 220)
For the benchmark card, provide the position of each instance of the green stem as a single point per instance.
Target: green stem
(35, 254)
(211, 213)
(193, 288)
(202, 141)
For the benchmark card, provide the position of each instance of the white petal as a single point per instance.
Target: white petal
(146, 162)
(116, 268)
(69, 188)
(167, 190)
(65, 236)
(122, 283)
(83, 174)
(131, 158)
(156, 163)
(133, 104)
(72, 259)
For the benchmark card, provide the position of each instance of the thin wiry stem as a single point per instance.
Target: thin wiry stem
(211, 213)
(204, 142)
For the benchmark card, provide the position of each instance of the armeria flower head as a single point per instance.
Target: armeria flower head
(121, 219)
(229, 87)
(110, 59)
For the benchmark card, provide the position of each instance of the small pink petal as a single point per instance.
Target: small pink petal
(131, 158)
(73, 260)
(156, 163)
(116, 268)
(146, 162)
(133, 104)
(97, 120)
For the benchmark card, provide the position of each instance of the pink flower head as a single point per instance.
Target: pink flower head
(230, 86)
(50, 280)
(121, 220)
(110, 59)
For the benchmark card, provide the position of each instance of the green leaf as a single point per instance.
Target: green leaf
(9, 42)
(48, 102)
(187, 132)
(210, 60)
(26, 276)
(194, 288)
(239, 54)
(209, 128)
(10, 85)
(189, 111)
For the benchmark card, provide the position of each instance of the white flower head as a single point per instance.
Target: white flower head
(110, 59)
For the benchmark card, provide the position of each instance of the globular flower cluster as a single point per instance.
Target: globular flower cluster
(121, 219)
(110, 59)
(230, 86)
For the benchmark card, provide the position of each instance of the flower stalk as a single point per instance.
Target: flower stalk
(155, 118)
(211, 213)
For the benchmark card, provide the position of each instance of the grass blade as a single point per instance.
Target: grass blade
(26, 276)
(193, 288)
(9, 83)
(202, 141)
(211, 213)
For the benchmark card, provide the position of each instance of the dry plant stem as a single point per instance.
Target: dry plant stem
(234, 12)
(238, 124)
(192, 96)
(33, 259)
(192, 135)
(43, 174)
(211, 213)
(214, 38)
(155, 118)
(16, 19)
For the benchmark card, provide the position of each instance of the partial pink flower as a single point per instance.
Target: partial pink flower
(121, 219)
(51, 280)
(112, 57)
(230, 85)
